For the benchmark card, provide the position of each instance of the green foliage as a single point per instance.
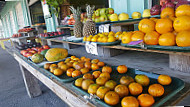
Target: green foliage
(55, 6)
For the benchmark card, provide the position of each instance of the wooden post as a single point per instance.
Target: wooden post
(70, 46)
(179, 62)
(108, 52)
(31, 83)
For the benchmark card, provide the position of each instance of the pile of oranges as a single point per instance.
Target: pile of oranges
(128, 92)
(74, 66)
(172, 29)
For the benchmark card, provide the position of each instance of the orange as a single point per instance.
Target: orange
(57, 72)
(151, 38)
(107, 69)
(105, 74)
(67, 60)
(164, 79)
(129, 101)
(84, 70)
(88, 76)
(183, 10)
(142, 79)
(102, 91)
(183, 38)
(60, 63)
(86, 83)
(87, 65)
(164, 26)
(154, 19)
(122, 90)
(78, 82)
(146, 25)
(53, 65)
(138, 35)
(79, 66)
(72, 57)
(95, 61)
(87, 59)
(156, 90)
(167, 39)
(126, 38)
(110, 84)
(122, 69)
(145, 100)
(182, 23)
(76, 59)
(70, 71)
(175, 33)
(94, 67)
(76, 73)
(69, 64)
(101, 64)
(47, 66)
(126, 80)
(96, 74)
(93, 88)
(111, 98)
(167, 12)
(101, 80)
(135, 88)
(83, 58)
(64, 67)
(52, 69)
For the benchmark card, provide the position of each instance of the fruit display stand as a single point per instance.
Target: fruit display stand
(65, 91)
(21, 40)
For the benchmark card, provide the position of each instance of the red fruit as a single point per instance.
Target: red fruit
(163, 2)
(155, 10)
(170, 4)
(46, 47)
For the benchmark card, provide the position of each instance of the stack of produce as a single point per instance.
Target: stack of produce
(102, 15)
(156, 9)
(74, 66)
(51, 34)
(16, 35)
(129, 92)
(31, 51)
(172, 29)
(102, 37)
(26, 30)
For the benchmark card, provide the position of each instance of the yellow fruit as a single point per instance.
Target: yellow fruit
(126, 38)
(94, 39)
(111, 39)
(136, 15)
(146, 13)
(183, 10)
(123, 16)
(182, 23)
(183, 38)
(146, 25)
(89, 38)
(167, 39)
(84, 38)
(114, 17)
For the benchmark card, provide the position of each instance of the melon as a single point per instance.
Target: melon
(56, 54)
(37, 58)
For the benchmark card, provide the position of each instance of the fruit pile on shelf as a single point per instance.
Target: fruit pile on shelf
(128, 91)
(73, 66)
(35, 49)
(26, 30)
(102, 37)
(52, 34)
(16, 35)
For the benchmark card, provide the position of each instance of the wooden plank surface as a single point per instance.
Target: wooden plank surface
(148, 50)
(31, 83)
(60, 90)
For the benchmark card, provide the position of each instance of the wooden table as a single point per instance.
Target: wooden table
(32, 74)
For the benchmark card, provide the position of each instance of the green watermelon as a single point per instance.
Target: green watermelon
(44, 52)
(37, 58)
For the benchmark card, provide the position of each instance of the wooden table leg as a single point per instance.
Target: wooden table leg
(179, 62)
(31, 83)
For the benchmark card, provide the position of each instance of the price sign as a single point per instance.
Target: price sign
(91, 48)
(101, 28)
(106, 27)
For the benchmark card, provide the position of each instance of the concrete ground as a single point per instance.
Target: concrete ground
(13, 92)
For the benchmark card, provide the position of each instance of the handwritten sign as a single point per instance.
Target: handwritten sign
(104, 28)
(91, 48)
(135, 42)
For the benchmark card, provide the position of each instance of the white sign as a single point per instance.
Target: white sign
(91, 48)
(104, 28)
